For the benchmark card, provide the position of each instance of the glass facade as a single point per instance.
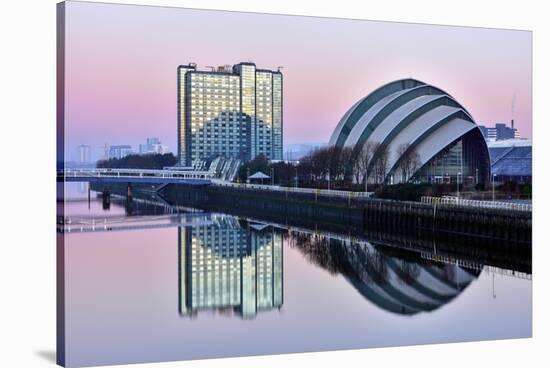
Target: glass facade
(248, 101)
(264, 113)
(182, 133)
(229, 112)
(230, 266)
(277, 143)
(461, 161)
(216, 124)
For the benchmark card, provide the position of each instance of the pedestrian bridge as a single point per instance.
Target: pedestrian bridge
(190, 177)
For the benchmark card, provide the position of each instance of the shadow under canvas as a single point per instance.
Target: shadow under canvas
(48, 355)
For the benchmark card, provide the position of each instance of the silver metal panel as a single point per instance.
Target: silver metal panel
(394, 106)
(391, 122)
(415, 129)
(375, 96)
(440, 138)
(342, 122)
(365, 120)
(408, 290)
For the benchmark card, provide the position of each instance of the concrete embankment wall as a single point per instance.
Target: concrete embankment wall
(401, 217)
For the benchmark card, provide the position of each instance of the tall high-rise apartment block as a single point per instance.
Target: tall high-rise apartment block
(232, 111)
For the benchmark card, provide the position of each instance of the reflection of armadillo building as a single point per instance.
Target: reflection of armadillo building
(396, 284)
(405, 286)
(230, 266)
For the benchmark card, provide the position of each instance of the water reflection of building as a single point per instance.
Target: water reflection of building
(82, 187)
(230, 266)
(403, 284)
(84, 154)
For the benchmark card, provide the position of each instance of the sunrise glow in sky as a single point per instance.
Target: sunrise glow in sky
(121, 64)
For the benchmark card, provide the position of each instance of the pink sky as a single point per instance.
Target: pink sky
(121, 67)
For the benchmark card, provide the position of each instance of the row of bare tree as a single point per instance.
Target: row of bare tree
(344, 165)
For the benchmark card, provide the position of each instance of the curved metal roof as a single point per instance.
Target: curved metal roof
(406, 111)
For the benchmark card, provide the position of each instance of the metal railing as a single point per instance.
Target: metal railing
(135, 173)
(276, 188)
(454, 201)
(122, 223)
(473, 265)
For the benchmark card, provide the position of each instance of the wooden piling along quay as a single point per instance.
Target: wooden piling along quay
(402, 217)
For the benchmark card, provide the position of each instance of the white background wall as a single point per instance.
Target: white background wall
(27, 259)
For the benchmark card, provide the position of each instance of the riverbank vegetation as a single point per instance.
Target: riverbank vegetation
(155, 161)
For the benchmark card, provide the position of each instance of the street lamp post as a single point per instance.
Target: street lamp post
(296, 170)
(272, 176)
(329, 180)
(494, 187)
(458, 185)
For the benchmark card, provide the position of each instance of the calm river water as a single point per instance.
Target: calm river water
(145, 284)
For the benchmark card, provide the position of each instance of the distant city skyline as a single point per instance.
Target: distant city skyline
(86, 154)
(291, 151)
(120, 77)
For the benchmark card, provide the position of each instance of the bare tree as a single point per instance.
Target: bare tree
(335, 162)
(334, 168)
(377, 264)
(362, 162)
(380, 161)
(357, 168)
(345, 169)
(306, 169)
(320, 161)
(409, 271)
(409, 161)
(416, 163)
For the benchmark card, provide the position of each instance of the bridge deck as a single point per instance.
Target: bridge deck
(190, 177)
(134, 179)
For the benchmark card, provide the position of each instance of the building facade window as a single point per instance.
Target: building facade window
(235, 113)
